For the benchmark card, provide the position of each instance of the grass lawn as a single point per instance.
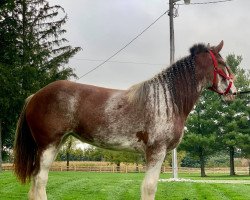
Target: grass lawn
(115, 186)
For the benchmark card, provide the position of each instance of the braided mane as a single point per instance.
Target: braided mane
(177, 82)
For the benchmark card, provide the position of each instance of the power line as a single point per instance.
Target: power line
(123, 46)
(117, 61)
(108, 59)
(204, 3)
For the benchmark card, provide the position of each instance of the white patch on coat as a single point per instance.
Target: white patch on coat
(149, 184)
(67, 104)
(162, 121)
(39, 182)
(72, 104)
(122, 125)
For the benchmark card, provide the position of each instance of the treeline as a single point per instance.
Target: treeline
(91, 153)
(69, 152)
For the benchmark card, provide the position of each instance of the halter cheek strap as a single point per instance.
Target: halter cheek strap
(221, 73)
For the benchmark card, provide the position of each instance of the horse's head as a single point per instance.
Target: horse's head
(221, 77)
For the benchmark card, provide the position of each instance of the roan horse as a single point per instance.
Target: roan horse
(148, 117)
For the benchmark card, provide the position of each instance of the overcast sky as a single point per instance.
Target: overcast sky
(103, 27)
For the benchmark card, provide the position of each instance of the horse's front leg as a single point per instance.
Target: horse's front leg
(154, 157)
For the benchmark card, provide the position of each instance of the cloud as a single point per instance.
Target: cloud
(102, 27)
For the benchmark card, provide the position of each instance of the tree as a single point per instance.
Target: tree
(9, 89)
(69, 144)
(234, 119)
(245, 147)
(180, 156)
(118, 157)
(189, 161)
(215, 125)
(32, 54)
(232, 125)
(200, 139)
(93, 154)
(75, 154)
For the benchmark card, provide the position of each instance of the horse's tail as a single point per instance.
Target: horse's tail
(25, 149)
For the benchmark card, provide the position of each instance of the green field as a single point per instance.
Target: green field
(115, 186)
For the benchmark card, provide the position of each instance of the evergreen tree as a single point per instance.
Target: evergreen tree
(216, 125)
(200, 140)
(234, 120)
(9, 91)
(44, 53)
(33, 53)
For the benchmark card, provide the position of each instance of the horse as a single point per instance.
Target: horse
(148, 117)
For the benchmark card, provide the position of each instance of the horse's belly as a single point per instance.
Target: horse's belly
(117, 140)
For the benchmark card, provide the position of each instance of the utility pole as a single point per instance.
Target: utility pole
(171, 26)
(172, 52)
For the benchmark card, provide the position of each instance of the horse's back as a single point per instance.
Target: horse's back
(61, 106)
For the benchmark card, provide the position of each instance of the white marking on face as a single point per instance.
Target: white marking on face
(233, 88)
(224, 83)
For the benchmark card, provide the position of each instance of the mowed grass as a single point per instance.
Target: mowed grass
(115, 186)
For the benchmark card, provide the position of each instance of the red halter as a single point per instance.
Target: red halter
(221, 73)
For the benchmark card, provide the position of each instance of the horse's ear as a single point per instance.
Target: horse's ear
(219, 47)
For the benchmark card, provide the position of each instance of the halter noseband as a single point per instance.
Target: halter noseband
(221, 73)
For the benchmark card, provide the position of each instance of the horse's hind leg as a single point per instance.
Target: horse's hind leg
(154, 157)
(39, 181)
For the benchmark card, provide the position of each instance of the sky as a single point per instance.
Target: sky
(101, 28)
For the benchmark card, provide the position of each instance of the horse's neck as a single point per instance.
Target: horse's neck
(189, 95)
(191, 98)
(175, 96)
